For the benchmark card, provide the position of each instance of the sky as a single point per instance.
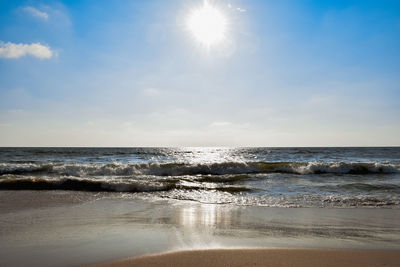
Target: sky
(131, 73)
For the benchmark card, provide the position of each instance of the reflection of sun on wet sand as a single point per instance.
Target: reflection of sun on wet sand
(105, 227)
(267, 257)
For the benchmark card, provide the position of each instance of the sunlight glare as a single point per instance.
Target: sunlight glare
(207, 25)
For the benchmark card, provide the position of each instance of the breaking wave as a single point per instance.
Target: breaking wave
(179, 169)
(96, 185)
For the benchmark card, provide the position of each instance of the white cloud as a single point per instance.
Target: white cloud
(237, 8)
(11, 50)
(15, 111)
(36, 13)
(220, 124)
(151, 91)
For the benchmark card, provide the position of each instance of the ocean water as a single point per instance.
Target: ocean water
(272, 177)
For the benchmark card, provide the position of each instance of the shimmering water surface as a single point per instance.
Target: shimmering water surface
(274, 177)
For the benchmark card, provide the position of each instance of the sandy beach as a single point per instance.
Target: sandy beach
(59, 228)
(266, 257)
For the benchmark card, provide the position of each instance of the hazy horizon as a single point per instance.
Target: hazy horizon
(200, 147)
(156, 74)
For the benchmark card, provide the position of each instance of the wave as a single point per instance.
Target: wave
(216, 193)
(365, 187)
(93, 185)
(362, 201)
(285, 201)
(179, 169)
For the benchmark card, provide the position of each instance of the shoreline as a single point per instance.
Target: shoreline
(265, 257)
(102, 228)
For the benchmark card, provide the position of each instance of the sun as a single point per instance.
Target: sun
(207, 25)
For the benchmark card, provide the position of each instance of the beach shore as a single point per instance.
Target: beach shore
(266, 257)
(67, 228)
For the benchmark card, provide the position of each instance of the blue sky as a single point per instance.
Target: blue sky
(128, 73)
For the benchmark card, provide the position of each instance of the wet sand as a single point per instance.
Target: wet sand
(66, 228)
(266, 257)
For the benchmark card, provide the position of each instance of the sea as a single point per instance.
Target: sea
(340, 177)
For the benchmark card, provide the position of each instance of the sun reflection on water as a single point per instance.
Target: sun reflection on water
(197, 155)
(207, 215)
